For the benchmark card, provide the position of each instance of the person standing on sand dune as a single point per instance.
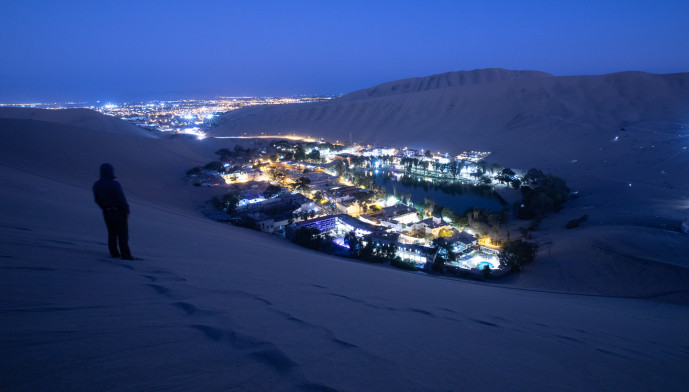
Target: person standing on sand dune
(110, 198)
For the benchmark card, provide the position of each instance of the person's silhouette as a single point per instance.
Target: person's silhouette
(110, 198)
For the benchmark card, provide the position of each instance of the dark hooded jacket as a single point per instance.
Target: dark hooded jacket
(107, 192)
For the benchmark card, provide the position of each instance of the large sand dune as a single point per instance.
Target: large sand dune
(215, 308)
(83, 118)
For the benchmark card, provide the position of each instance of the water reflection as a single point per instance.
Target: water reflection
(454, 195)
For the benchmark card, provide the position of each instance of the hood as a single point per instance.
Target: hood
(107, 172)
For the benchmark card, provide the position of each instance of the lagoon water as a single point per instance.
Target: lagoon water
(458, 202)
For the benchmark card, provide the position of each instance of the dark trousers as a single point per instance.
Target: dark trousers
(118, 232)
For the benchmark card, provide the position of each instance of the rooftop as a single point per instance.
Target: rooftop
(463, 237)
(394, 211)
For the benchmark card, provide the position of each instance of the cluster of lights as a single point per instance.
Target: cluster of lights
(186, 116)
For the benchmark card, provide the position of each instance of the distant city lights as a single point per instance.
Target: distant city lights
(187, 116)
(184, 116)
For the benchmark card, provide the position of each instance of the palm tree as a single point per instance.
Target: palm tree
(454, 169)
(483, 165)
(302, 183)
(461, 166)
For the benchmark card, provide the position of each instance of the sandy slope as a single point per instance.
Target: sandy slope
(213, 307)
(83, 118)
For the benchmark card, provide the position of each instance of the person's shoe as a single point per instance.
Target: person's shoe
(115, 256)
(128, 258)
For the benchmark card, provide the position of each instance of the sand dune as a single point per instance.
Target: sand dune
(445, 80)
(83, 118)
(215, 308)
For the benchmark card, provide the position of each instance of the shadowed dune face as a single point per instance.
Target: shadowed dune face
(215, 307)
(83, 118)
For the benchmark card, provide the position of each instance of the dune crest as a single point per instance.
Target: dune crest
(445, 80)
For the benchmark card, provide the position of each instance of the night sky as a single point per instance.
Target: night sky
(117, 50)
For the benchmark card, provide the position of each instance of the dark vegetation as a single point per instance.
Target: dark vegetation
(272, 191)
(302, 183)
(482, 221)
(227, 155)
(401, 264)
(443, 254)
(228, 203)
(308, 238)
(542, 194)
(487, 222)
(516, 254)
(450, 187)
(289, 151)
(485, 272)
(365, 249)
(214, 166)
(576, 222)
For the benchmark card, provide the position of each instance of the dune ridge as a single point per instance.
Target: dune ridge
(445, 80)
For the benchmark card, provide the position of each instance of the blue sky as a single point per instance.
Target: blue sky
(88, 50)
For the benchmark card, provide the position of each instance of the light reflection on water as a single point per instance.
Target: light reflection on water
(457, 202)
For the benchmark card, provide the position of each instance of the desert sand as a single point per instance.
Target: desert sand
(213, 307)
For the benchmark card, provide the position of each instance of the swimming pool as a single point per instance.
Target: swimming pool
(483, 265)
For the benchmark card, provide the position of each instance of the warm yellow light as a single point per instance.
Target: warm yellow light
(487, 242)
